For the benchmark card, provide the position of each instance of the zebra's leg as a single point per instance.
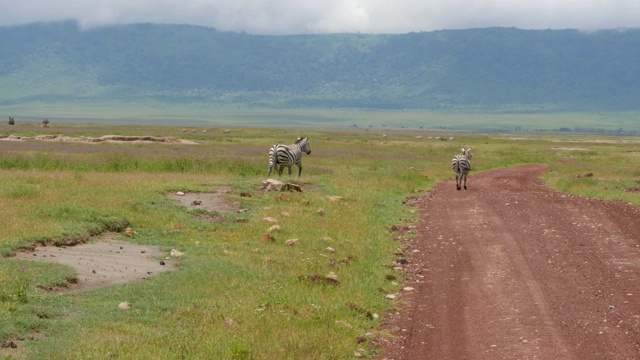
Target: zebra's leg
(280, 170)
(270, 168)
(458, 179)
(289, 167)
(299, 170)
(465, 181)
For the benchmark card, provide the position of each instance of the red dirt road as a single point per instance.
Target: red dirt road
(511, 269)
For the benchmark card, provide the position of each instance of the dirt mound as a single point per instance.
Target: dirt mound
(511, 269)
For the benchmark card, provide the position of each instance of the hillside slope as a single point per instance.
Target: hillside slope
(491, 69)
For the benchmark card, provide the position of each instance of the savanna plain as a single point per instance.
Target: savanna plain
(237, 293)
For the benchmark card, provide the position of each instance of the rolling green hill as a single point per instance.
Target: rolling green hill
(493, 69)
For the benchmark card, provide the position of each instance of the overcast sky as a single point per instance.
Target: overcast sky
(332, 16)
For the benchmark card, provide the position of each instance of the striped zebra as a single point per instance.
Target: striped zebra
(461, 166)
(281, 156)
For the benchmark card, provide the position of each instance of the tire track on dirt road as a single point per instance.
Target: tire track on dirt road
(511, 269)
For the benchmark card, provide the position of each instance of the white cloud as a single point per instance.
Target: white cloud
(331, 16)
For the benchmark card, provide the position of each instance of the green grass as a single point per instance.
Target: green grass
(236, 296)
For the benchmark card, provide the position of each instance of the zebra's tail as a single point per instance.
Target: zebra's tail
(273, 160)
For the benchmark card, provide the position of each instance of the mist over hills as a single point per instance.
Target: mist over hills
(492, 69)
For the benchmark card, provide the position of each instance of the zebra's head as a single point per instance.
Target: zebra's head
(304, 144)
(467, 153)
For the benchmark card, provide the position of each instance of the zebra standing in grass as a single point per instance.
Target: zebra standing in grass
(461, 166)
(281, 156)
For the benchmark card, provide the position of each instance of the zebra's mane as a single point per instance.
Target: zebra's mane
(300, 139)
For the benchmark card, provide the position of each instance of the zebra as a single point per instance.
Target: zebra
(11, 121)
(281, 156)
(461, 166)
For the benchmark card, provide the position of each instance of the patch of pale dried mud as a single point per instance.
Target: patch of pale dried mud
(103, 263)
(217, 200)
(108, 261)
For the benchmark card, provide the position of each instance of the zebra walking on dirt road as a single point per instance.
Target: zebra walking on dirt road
(461, 165)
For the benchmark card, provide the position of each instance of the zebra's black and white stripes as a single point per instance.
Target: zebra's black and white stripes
(281, 156)
(461, 165)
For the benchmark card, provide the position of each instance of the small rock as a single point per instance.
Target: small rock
(321, 212)
(273, 228)
(332, 275)
(272, 185)
(162, 262)
(291, 242)
(130, 232)
(408, 288)
(124, 305)
(344, 324)
(269, 219)
(268, 237)
(330, 249)
(196, 202)
(176, 253)
(390, 297)
(180, 193)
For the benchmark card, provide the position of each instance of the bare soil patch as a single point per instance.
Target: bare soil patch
(104, 262)
(108, 261)
(511, 269)
(217, 200)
